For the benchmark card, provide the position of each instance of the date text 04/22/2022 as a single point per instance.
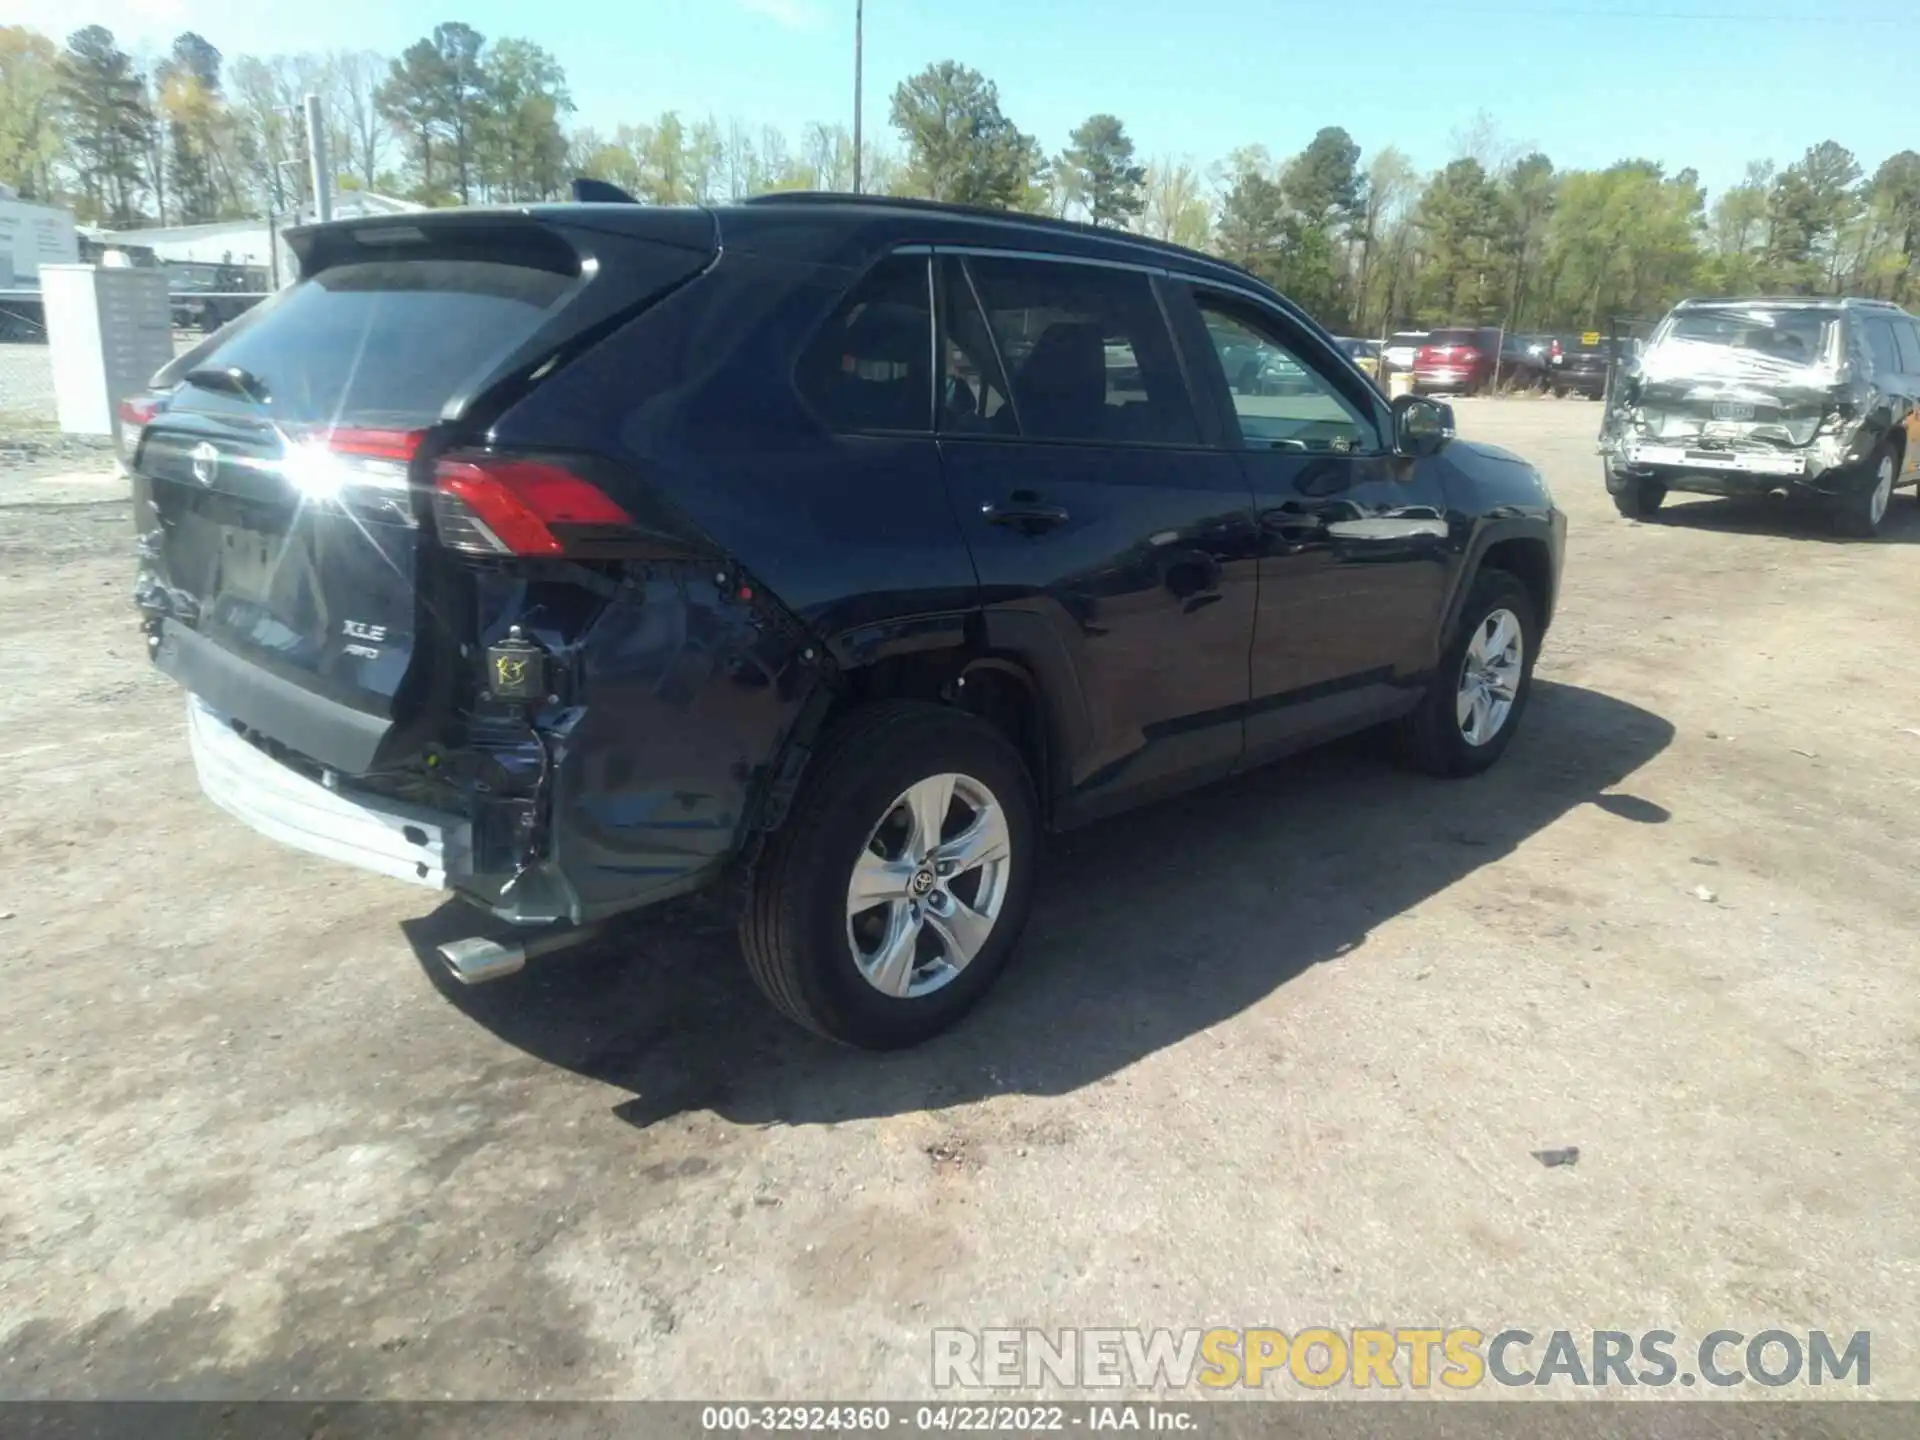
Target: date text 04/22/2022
(950, 1418)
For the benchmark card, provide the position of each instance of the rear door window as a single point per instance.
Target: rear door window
(974, 396)
(1907, 336)
(870, 367)
(1087, 352)
(1885, 349)
(387, 340)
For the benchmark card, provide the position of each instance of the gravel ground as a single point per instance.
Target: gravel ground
(1277, 1053)
(31, 443)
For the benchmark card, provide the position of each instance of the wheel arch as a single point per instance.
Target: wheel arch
(1524, 547)
(1004, 688)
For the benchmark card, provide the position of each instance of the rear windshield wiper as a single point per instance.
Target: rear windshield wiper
(230, 380)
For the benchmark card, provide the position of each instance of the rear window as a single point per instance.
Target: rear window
(392, 339)
(1454, 337)
(1799, 337)
(871, 365)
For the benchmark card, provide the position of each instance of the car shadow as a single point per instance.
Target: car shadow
(1147, 929)
(1784, 516)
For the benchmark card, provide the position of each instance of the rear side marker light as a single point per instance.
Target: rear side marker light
(495, 505)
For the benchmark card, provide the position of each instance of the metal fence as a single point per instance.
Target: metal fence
(30, 433)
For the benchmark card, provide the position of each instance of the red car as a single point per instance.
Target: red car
(1456, 361)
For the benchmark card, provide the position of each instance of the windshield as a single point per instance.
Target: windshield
(1796, 336)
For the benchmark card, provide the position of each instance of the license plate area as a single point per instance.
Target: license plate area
(246, 558)
(1732, 410)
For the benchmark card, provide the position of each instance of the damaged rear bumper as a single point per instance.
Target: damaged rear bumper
(427, 847)
(1825, 468)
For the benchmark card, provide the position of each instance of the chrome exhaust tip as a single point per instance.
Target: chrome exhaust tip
(476, 961)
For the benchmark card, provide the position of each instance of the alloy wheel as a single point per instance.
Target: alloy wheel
(1490, 677)
(929, 885)
(1882, 491)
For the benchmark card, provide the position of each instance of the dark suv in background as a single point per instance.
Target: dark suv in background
(1577, 364)
(573, 557)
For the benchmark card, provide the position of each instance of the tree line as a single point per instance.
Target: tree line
(1366, 244)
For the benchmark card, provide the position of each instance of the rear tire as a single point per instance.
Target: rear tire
(1450, 734)
(1860, 511)
(1637, 498)
(812, 946)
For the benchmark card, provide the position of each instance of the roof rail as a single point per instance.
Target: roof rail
(983, 212)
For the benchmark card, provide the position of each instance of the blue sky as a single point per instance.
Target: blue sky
(1707, 83)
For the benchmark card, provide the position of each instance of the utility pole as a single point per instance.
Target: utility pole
(859, 27)
(317, 155)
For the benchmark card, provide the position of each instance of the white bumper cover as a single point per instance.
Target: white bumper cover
(387, 836)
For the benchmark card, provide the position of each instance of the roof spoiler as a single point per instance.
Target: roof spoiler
(599, 192)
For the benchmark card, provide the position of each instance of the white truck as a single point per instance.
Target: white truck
(31, 235)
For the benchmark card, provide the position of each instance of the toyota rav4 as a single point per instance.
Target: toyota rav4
(1819, 398)
(570, 558)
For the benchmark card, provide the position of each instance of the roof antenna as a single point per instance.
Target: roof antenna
(599, 192)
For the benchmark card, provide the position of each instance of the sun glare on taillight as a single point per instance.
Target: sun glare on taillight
(324, 464)
(135, 413)
(500, 505)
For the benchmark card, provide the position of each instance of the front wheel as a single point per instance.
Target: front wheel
(1859, 512)
(893, 896)
(1474, 701)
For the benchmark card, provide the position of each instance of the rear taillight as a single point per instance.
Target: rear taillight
(135, 413)
(374, 444)
(1555, 353)
(335, 464)
(502, 505)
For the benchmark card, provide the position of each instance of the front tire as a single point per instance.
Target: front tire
(893, 896)
(1860, 511)
(1474, 701)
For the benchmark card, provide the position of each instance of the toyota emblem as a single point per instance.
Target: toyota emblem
(206, 462)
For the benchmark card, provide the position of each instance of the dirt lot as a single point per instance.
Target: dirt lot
(1277, 1053)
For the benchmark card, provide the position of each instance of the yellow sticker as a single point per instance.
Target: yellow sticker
(1592, 337)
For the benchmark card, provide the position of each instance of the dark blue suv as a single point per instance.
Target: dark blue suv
(570, 558)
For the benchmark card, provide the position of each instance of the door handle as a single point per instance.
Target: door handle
(1031, 517)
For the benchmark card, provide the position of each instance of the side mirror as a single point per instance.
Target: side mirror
(1420, 426)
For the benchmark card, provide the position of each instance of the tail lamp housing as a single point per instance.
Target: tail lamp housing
(486, 504)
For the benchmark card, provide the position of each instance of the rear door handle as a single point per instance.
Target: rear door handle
(1029, 516)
